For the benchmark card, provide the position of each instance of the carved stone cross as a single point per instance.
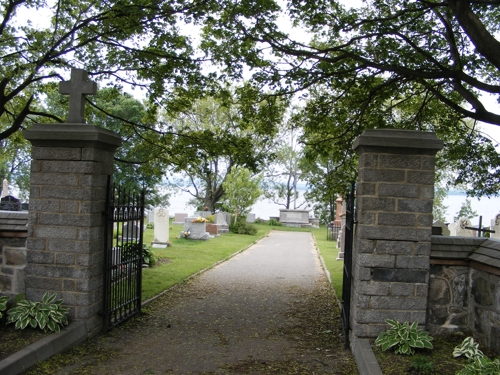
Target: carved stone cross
(77, 87)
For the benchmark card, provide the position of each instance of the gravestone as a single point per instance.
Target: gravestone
(250, 218)
(10, 203)
(161, 231)
(204, 214)
(439, 226)
(458, 228)
(5, 188)
(295, 218)
(495, 225)
(179, 218)
(151, 216)
(314, 222)
(221, 223)
(213, 229)
(194, 231)
(130, 231)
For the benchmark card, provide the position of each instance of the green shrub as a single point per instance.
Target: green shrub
(211, 219)
(404, 337)
(150, 226)
(468, 348)
(242, 227)
(48, 315)
(422, 364)
(275, 223)
(3, 304)
(481, 366)
(478, 364)
(148, 256)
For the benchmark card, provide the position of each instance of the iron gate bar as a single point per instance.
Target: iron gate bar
(347, 274)
(123, 258)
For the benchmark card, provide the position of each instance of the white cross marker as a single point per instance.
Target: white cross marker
(77, 87)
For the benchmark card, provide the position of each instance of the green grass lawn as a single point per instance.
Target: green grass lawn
(187, 257)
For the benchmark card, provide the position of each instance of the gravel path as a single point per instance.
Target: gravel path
(268, 310)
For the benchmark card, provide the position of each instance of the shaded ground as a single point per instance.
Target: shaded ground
(13, 340)
(269, 310)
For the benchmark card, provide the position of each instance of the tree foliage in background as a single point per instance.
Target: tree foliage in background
(133, 43)
(465, 211)
(365, 68)
(284, 173)
(218, 134)
(241, 191)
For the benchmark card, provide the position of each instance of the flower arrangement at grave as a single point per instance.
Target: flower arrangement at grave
(187, 233)
(199, 220)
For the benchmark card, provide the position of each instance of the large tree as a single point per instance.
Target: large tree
(133, 43)
(366, 66)
(218, 134)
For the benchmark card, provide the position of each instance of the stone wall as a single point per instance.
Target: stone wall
(12, 266)
(464, 293)
(13, 233)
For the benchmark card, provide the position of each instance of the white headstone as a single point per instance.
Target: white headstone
(458, 228)
(5, 188)
(220, 218)
(161, 225)
(250, 218)
(495, 225)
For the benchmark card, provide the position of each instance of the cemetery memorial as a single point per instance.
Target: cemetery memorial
(179, 218)
(161, 229)
(195, 228)
(295, 218)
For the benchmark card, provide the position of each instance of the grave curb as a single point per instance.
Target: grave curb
(361, 349)
(74, 334)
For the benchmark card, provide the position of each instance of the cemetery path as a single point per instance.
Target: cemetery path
(268, 310)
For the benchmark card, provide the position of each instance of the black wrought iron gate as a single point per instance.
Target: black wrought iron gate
(346, 283)
(123, 255)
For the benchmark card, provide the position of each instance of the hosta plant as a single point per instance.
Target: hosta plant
(481, 365)
(468, 348)
(404, 338)
(3, 304)
(48, 315)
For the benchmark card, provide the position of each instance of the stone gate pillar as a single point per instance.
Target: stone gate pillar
(65, 249)
(392, 239)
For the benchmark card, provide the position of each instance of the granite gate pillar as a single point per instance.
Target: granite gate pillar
(392, 239)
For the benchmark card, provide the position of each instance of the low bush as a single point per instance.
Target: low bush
(48, 315)
(3, 304)
(242, 227)
(404, 338)
(275, 223)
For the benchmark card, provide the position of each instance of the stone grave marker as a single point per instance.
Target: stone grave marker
(194, 231)
(495, 225)
(130, 231)
(179, 218)
(314, 222)
(295, 218)
(439, 226)
(251, 218)
(204, 214)
(458, 228)
(5, 188)
(220, 220)
(161, 231)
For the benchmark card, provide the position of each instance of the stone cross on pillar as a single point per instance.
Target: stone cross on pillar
(77, 87)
